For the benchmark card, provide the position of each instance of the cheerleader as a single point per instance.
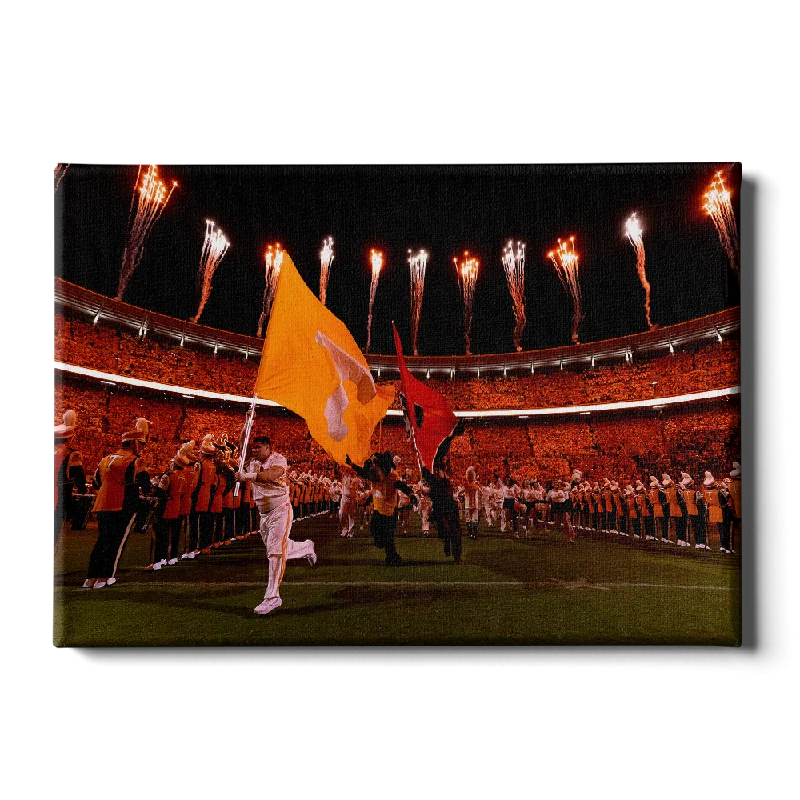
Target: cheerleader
(559, 504)
(471, 492)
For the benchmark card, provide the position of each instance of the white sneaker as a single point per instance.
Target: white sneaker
(191, 555)
(650, 537)
(312, 558)
(87, 585)
(185, 555)
(163, 562)
(701, 547)
(636, 536)
(268, 605)
(156, 566)
(723, 550)
(172, 561)
(99, 585)
(666, 541)
(111, 581)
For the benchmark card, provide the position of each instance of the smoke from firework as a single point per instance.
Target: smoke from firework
(467, 270)
(718, 206)
(633, 229)
(325, 259)
(376, 259)
(417, 264)
(565, 260)
(215, 245)
(272, 263)
(514, 265)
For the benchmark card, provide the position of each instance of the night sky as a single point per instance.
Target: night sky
(444, 210)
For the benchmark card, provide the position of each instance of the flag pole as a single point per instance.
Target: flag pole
(248, 427)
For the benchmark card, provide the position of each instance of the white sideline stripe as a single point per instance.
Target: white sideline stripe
(430, 584)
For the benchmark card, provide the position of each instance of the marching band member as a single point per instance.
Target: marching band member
(675, 499)
(69, 472)
(349, 502)
(714, 500)
(472, 494)
(204, 491)
(656, 497)
(633, 511)
(188, 513)
(425, 505)
(696, 510)
(735, 488)
(120, 479)
(645, 511)
(620, 509)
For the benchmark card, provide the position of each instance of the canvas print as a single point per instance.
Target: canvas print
(397, 405)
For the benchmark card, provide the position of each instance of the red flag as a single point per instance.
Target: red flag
(429, 417)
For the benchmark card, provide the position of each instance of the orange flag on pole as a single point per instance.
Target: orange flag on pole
(430, 420)
(311, 365)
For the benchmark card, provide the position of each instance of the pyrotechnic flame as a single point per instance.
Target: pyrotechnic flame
(565, 260)
(633, 229)
(326, 259)
(718, 206)
(417, 264)
(514, 265)
(150, 197)
(58, 174)
(467, 270)
(273, 259)
(376, 259)
(215, 246)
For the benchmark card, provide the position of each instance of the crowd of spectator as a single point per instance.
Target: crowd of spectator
(699, 436)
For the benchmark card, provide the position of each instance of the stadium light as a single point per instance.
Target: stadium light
(592, 360)
(533, 368)
(428, 374)
(203, 394)
(505, 372)
(671, 348)
(216, 347)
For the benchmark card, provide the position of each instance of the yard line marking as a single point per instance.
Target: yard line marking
(545, 584)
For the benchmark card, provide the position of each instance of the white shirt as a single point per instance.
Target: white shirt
(270, 495)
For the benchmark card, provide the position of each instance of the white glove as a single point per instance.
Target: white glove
(246, 476)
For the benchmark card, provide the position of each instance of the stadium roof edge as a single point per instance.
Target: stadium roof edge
(623, 348)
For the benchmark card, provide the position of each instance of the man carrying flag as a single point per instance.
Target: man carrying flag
(431, 426)
(311, 365)
(430, 421)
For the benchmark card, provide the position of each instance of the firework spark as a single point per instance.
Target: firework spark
(376, 259)
(718, 206)
(326, 259)
(273, 259)
(514, 265)
(417, 265)
(215, 246)
(150, 202)
(467, 270)
(633, 229)
(58, 174)
(565, 260)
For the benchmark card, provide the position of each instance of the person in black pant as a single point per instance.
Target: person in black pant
(445, 509)
(379, 470)
(121, 479)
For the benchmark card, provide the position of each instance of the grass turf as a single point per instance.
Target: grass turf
(600, 590)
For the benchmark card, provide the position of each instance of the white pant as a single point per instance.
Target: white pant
(275, 528)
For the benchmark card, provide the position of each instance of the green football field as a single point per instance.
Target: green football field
(600, 590)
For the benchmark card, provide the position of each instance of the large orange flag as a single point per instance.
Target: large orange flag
(312, 365)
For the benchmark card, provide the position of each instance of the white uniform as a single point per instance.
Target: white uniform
(276, 513)
(347, 509)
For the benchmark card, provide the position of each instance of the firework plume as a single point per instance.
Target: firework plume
(514, 265)
(417, 265)
(215, 245)
(565, 260)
